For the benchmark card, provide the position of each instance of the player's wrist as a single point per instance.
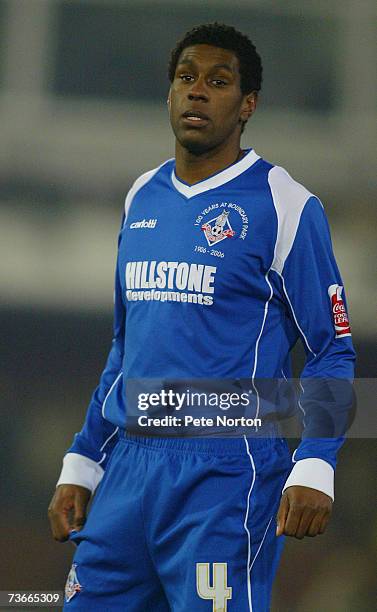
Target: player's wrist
(314, 473)
(80, 470)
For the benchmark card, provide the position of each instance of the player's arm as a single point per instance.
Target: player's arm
(313, 290)
(86, 460)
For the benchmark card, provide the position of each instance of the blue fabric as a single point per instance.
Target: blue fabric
(166, 505)
(216, 334)
(190, 306)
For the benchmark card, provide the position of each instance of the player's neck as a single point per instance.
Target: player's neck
(192, 168)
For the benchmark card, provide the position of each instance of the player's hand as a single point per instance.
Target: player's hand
(303, 512)
(67, 510)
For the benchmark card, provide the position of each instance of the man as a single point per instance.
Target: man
(224, 261)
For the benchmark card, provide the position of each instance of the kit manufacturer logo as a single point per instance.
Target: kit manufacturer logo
(151, 224)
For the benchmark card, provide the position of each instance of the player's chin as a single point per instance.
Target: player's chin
(195, 142)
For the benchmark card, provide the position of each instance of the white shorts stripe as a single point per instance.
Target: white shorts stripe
(246, 527)
(261, 544)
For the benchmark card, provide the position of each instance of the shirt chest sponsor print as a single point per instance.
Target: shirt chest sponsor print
(221, 221)
(170, 281)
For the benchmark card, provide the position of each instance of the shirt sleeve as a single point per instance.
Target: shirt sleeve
(86, 459)
(314, 294)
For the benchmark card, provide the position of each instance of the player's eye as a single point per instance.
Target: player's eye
(219, 82)
(186, 78)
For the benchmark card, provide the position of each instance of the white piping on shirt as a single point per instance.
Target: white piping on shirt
(294, 315)
(104, 444)
(257, 344)
(109, 391)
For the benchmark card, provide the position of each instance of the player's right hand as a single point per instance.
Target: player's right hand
(67, 510)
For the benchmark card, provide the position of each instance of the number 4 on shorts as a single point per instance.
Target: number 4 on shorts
(219, 592)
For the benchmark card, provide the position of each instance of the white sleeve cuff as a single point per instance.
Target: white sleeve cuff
(314, 473)
(80, 470)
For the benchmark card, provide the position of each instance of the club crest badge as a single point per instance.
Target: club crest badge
(218, 228)
(221, 220)
(72, 586)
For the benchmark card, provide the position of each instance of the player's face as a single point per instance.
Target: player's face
(206, 104)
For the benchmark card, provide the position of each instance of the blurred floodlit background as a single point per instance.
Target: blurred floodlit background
(83, 91)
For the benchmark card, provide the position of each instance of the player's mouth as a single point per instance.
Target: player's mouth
(195, 118)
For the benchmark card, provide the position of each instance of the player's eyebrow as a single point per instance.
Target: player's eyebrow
(225, 66)
(215, 67)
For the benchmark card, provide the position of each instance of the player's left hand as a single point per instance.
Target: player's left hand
(303, 512)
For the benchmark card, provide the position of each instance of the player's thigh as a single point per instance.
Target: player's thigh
(214, 540)
(112, 568)
(272, 469)
(102, 579)
(199, 542)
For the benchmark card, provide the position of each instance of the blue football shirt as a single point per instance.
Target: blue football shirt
(219, 280)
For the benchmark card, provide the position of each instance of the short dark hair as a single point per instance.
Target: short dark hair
(225, 37)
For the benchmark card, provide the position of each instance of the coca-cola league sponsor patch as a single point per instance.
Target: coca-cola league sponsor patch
(341, 322)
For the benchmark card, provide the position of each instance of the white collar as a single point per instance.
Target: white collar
(222, 177)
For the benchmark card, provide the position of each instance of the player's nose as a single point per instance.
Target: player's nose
(198, 91)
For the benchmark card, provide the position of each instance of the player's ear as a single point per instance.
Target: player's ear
(249, 106)
(168, 101)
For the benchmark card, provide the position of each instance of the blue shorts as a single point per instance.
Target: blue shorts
(182, 525)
